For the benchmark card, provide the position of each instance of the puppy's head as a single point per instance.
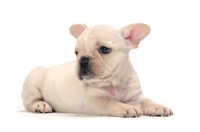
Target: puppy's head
(102, 51)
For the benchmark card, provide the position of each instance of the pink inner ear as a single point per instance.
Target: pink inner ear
(80, 29)
(131, 37)
(135, 33)
(77, 29)
(135, 36)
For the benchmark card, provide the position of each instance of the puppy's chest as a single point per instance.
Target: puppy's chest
(116, 93)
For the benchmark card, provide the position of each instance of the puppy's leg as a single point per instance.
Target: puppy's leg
(105, 107)
(31, 94)
(151, 108)
(33, 101)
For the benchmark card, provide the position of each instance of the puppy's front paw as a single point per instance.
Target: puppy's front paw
(158, 110)
(42, 107)
(128, 111)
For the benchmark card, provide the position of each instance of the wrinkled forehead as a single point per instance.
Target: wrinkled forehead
(97, 33)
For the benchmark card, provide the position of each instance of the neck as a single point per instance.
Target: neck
(123, 73)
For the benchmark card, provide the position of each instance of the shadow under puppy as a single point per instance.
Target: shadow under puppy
(102, 81)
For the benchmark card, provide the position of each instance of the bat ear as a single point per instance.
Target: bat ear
(134, 34)
(77, 29)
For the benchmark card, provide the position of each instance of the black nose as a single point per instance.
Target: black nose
(84, 62)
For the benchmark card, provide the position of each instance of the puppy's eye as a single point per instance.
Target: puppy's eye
(76, 53)
(105, 50)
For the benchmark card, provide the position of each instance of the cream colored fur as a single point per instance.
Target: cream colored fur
(111, 86)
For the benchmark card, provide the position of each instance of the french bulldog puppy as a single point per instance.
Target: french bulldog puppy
(102, 81)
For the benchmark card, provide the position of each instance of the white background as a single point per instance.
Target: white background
(35, 32)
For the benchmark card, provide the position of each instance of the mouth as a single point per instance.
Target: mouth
(84, 73)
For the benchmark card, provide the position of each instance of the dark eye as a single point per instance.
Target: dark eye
(104, 50)
(76, 53)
